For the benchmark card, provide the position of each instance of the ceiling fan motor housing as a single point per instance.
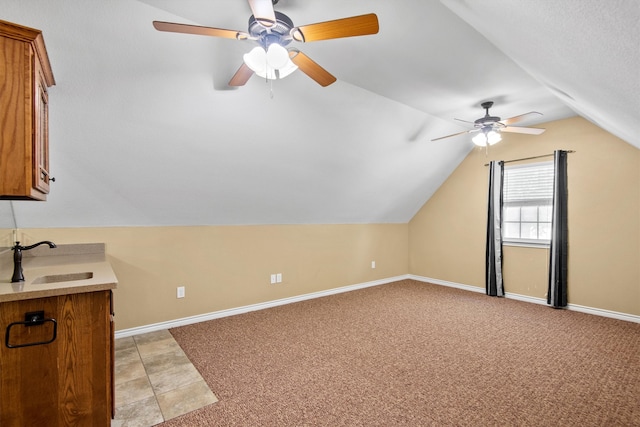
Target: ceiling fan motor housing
(279, 33)
(487, 120)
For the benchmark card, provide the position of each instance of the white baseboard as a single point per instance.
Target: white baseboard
(535, 300)
(261, 306)
(446, 283)
(248, 308)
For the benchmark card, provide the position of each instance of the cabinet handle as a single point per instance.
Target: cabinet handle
(33, 321)
(45, 176)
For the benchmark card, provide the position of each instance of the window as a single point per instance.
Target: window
(527, 203)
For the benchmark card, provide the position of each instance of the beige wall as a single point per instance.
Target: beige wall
(225, 267)
(447, 236)
(230, 266)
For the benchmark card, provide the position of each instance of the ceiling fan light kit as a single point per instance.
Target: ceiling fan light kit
(273, 31)
(486, 136)
(272, 64)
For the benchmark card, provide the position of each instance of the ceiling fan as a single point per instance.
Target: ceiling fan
(273, 31)
(491, 126)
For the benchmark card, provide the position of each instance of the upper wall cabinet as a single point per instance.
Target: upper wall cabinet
(25, 76)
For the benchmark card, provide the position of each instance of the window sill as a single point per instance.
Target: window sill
(542, 245)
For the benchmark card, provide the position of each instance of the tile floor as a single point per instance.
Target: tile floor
(155, 381)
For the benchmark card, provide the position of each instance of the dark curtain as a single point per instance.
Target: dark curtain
(557, 292)
(494, 285)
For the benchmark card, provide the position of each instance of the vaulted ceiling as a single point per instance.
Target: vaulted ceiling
(145, 130)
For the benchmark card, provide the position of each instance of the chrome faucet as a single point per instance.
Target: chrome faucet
(17, 258)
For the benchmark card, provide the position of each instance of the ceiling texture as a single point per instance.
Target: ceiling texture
(144, 129)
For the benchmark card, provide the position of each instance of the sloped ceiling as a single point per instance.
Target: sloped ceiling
(145, 131)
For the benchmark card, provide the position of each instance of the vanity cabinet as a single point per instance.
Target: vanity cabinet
(25, 76)
(67, 381)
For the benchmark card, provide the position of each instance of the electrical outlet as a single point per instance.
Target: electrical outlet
(279, 278)
(180, 292)
(373, 264)
(273, 279)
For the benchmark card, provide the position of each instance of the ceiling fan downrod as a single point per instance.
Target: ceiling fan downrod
(487, 119)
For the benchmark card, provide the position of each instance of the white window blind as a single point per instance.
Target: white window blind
(527, 203)
(528, 183)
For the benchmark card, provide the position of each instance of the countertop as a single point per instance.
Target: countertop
(63, 260)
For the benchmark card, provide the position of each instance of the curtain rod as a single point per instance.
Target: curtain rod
(531, 158)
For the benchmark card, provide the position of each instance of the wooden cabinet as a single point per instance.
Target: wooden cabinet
(25, 76)
(65, 382)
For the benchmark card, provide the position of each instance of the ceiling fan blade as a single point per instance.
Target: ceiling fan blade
(361, 25)
(263, 12)
(456, 134)
(519, 118)
(516, 129)
(242, 76)
(465, 121)
(311, 68)
(173, 27)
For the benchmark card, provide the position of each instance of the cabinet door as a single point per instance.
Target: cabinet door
(28, 375)
(40, 131)
(63, 383)
(15, 125)
(84, 359)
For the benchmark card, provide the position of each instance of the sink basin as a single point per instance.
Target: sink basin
(69, 277)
